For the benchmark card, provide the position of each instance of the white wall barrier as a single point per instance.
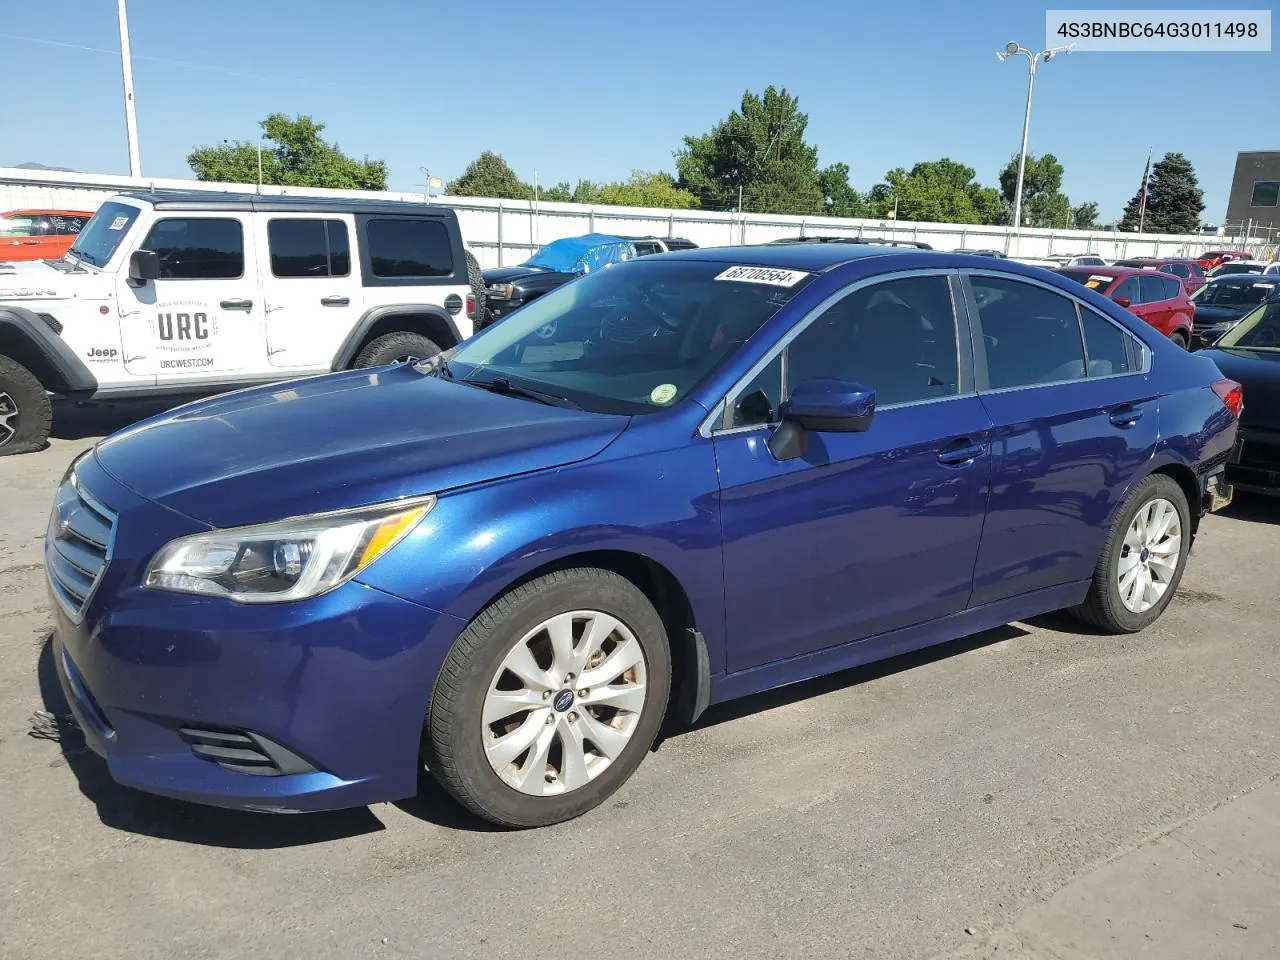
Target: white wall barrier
(503, 232)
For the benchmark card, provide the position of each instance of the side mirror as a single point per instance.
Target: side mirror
(1124, 302)
(835, 406)
(144, 265)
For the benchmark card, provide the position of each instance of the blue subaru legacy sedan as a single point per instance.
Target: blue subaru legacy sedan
(684, 479)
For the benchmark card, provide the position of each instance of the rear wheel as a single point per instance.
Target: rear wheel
(399, 347)
(1179, 338)
(550, 699)
(1143, 559)
(26, 415)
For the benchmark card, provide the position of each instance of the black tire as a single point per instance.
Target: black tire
(26, 415)
(1179, 338)
(1103, 607)
(454, 748)
(393, 347)
(475, 277)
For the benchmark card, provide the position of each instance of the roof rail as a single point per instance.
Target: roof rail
(831, 239)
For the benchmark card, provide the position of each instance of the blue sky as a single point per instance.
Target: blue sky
(574, 89)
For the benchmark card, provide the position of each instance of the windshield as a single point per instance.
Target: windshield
(632, 339)
(1234, 266)
(1260, 330)
(1234, 294)
(102, 234)
(1094, 281)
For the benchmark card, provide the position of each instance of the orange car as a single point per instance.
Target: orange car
(39, 234)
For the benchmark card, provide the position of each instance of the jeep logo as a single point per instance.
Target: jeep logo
(183, 326)
(96, 353)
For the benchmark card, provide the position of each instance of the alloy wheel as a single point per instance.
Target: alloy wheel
(564, 703)
(1149, 556)
(8, 418)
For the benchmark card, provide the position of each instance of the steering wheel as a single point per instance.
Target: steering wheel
(633, 316)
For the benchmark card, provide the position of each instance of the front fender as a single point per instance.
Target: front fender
(478, 542)
(60, 368)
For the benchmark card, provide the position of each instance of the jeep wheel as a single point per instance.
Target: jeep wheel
(26, 415)
(476, 278)
(400, 347)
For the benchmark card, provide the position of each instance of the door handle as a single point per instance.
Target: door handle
(237, 304)
(30, 243)
(335, 301)
(961, 453)
(1126, 416)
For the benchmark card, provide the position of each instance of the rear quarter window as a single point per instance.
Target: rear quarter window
(409, 248)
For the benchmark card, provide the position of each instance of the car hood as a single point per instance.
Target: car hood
(33, 280)
(1258, 371)
(1211, 313)
(521, 275)
(342, 440)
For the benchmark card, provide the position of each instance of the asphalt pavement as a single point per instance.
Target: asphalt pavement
(1034, 792)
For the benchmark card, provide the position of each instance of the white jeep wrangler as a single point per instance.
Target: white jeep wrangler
(195, 293)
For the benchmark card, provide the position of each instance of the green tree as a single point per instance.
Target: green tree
(560, 193)
(293, 154)
(646, 190)
(938, 191)
(839, 199)
(1043, 203)
(1174, 199)
(759, 150)
(1085, 216)
(488, 175)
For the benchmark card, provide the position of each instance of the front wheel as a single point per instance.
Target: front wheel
(1143, 559)
(550, 698)
(1179, 338)
(26, 415)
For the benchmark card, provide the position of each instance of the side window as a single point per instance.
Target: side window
(1128, 290)
(309, 248)
(897, 337)
(1106, 345)
(409, 248)
(646, 249)
(1196, 269)
(758, 401)
(44, 226)
(1032, 336)
(197, 248)
(1154, 288)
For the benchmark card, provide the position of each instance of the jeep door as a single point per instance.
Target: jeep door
(202, 318)
(311, 291)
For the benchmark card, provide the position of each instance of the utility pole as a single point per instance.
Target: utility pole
(130, 117)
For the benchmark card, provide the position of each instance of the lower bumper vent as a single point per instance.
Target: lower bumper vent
(242, 752)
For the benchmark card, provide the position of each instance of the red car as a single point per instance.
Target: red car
(39, 234)
(1211, 258)
(1156, 297)
(1188, 271)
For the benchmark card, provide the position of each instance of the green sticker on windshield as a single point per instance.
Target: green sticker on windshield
(663, 394)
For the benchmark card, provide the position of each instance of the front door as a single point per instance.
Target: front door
(202, 318)
(867, 532)
(311, 290)
(1074, 418)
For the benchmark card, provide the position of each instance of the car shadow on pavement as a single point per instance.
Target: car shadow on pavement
(1254, 508)
(136, 812)
(805, 690)
(79, 421)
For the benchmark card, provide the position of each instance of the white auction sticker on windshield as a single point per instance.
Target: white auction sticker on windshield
(119, 222)
(770, 275)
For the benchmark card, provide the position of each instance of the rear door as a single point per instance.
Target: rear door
(202, 319)
(1158, 304)
(310, 287)
(1074, 419)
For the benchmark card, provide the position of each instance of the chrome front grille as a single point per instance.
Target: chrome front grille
(77, 546)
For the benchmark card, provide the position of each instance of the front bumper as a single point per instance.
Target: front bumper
(316, 705)
(1258, 467)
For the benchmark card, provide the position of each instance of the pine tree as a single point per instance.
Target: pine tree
(1174, 199)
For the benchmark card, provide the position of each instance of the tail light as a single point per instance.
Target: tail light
(471, 306)
(1231, 394)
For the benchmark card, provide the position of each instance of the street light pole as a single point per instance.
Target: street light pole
(130, 117)
(1013, 49)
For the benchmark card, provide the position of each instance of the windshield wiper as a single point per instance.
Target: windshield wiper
(81, 255)
(504, 386)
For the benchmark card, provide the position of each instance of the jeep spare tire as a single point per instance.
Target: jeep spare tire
(400, 347)
(475, 277)
(26, 415)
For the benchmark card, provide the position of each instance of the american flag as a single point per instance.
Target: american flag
(1142, 194)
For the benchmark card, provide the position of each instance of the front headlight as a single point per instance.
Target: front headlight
(500, 291)
(287, 560)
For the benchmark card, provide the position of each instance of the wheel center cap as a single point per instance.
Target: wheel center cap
(563, 701)
(1145, 555)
